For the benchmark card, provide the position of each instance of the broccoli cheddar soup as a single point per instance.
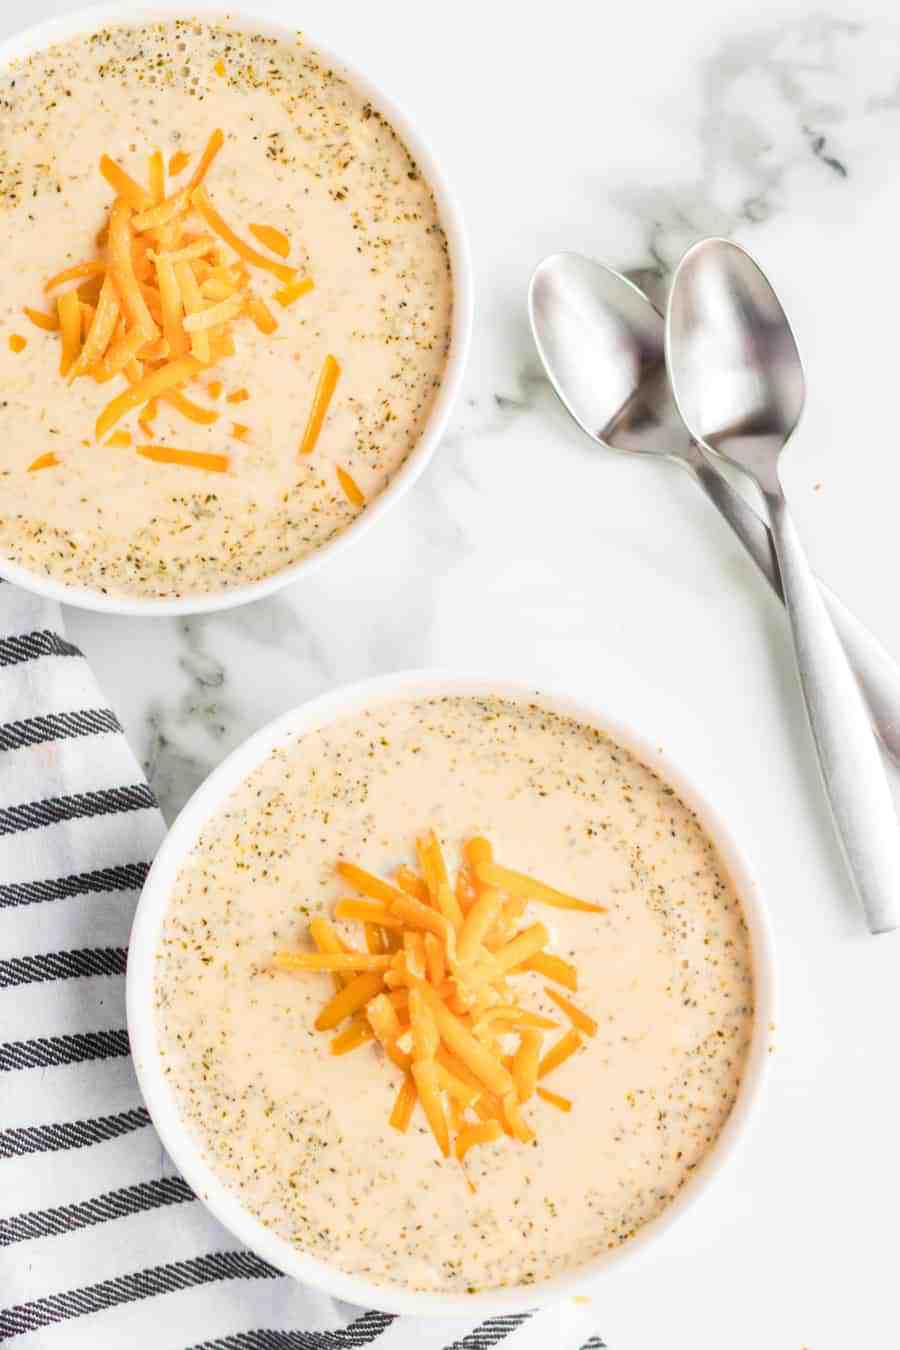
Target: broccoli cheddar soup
(454, 994)
(226, 313)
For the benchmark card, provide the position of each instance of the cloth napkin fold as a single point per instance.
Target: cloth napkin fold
(102, 1243)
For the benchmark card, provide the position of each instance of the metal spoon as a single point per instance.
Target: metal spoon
(602, 344)
(738, 383)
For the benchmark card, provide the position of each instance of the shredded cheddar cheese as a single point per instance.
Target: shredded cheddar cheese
(271, 238)
(85, 269)
(579, 1019)
(352, 491)
(244, 250)
(156, 174)
(169, 376)
(288, 294)
(69, 309)
(434, 991)
(178, 162)
(48, 322)
(517, 884)
(191, 459)
(561, 1103)
(45, 461)
(157, 307)
(124, 186)
(261, 315)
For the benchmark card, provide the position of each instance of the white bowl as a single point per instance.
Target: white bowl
(246, 20)
(161, 1102)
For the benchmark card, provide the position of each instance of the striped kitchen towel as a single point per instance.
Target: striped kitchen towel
(101, 1241)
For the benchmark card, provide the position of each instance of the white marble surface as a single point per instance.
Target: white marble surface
(627, 133)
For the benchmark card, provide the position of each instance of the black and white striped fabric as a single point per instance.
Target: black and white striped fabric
(101, 1242)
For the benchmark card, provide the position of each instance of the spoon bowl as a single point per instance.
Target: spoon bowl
(602, 344)
(737, 373)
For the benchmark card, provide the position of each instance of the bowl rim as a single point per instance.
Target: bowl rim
(187, 1155)
(248, 19)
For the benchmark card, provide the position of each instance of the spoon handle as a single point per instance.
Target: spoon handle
(852, 770)
(878, 674)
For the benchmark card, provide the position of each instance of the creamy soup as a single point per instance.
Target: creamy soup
(304, 152)
(302, 1137)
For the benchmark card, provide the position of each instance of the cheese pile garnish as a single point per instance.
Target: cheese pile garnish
(157, 306)
(435, 990)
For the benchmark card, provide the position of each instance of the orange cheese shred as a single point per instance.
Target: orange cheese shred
(121, 264)
(100, 333)
(288, 294)
(69, 310)
(435, 959)
(45, 461)
(434, 870)
(120, 354)
(351, 490)
(261, 315)
(327, 940)
(575, 1015)
(525, 1063)
(351, 1038)
(171, 304)
(17, 343)
(336, 961)
(156, 174)
(48, 322)
(368, 884)
(178, 162)
(95, 268)
(561, 1103)
(271, 238)
(478, 923)
(383, 1019)
(244, 250)
(553, 968)
(166, 377)
(521, 947)
(564, 1048)
(518, 884)
(124, 186)
(352, 997)
(412, 884)
(366, 911)
(212, 148)
(485, 1132)
(515, 1120)
(405, 1105)
(164, 212)
(193, 304)
(215, 289)
(188, 459)
(427, 1083)
(413, 912)
(206, 318)
(204, 417)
